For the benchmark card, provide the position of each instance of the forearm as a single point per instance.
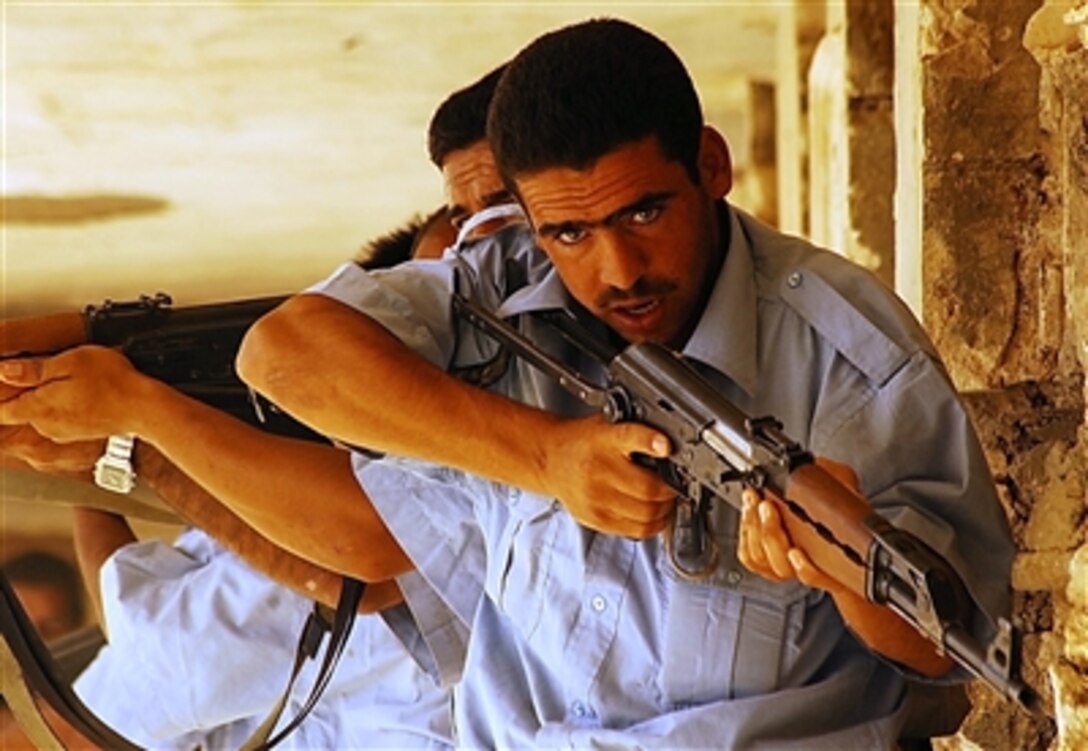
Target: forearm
(889, 635)
(301, 496)
(368, 389)
(201, 509)
(97, 536)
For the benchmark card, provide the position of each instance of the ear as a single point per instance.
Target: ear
(715, 163)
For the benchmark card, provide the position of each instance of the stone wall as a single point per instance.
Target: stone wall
(991, 226)
(1004, 226)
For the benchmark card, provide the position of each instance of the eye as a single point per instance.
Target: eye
(571, 236)
(646, 215)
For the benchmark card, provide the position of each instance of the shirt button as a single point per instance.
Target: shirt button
(732, 577)
(598, 603)
(794, 280)
(579, 709)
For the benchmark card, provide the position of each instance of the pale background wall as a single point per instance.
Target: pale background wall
(234, 149)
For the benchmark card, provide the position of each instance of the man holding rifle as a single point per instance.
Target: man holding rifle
(587, 634)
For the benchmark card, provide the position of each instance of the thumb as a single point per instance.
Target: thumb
(642, 439)
(25, 373)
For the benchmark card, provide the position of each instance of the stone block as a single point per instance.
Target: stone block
(1071, 702)
(977, 72)
(987, 251)
(1077, 591)
(1018, 429)
(1054, 476)
(1041, 571)
(1076, 639)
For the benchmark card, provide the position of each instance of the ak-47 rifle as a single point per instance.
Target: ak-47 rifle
(191, 348)
(716, 448)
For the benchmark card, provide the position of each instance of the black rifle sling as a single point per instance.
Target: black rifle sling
(351, 593)
(43, 676)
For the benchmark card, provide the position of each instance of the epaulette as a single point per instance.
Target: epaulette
(854, 312)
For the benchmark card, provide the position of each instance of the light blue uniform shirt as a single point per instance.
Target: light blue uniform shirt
(581, 639)
(201, 646)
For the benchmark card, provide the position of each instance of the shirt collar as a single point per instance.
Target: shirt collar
(725, 336)
(547, 294)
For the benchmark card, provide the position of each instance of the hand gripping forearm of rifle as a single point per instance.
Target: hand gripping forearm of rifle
(191, 348)
(717, 447)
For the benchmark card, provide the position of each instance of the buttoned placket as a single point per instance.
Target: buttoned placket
(608, 568)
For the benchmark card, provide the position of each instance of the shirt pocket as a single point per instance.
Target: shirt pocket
(519, 576)
(732, 635)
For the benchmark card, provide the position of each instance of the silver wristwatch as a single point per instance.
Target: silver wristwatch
(113, 470)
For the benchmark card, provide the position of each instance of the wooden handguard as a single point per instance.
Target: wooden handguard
(826, 519)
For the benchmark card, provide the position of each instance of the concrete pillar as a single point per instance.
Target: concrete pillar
(764, 161)
(909, 156)
(852, 136)
(829, 138)
(799, 30)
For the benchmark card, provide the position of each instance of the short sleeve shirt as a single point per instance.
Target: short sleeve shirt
(201, 645)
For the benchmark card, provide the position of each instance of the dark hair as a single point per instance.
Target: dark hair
(399, 244)
(42, 569)
(391, 248)
(461, 119)
(578, 93)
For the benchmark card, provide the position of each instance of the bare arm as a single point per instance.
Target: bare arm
(201, 509)
(301, 496)
(97, 536)
(370, 390)
(345, 375)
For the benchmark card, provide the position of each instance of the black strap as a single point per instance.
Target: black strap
(317, 624)
(43, 676)
(351, 593)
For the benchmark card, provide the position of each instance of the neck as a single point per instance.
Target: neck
(719, 242)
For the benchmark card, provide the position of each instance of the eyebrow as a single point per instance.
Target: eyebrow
(648, 200)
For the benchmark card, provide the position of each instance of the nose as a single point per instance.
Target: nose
(620, 264)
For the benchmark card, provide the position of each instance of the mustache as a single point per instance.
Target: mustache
(641, 288)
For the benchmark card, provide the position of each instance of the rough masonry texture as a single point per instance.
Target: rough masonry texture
(1006, 300)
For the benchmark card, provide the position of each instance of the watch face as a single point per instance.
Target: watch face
(113, 477)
